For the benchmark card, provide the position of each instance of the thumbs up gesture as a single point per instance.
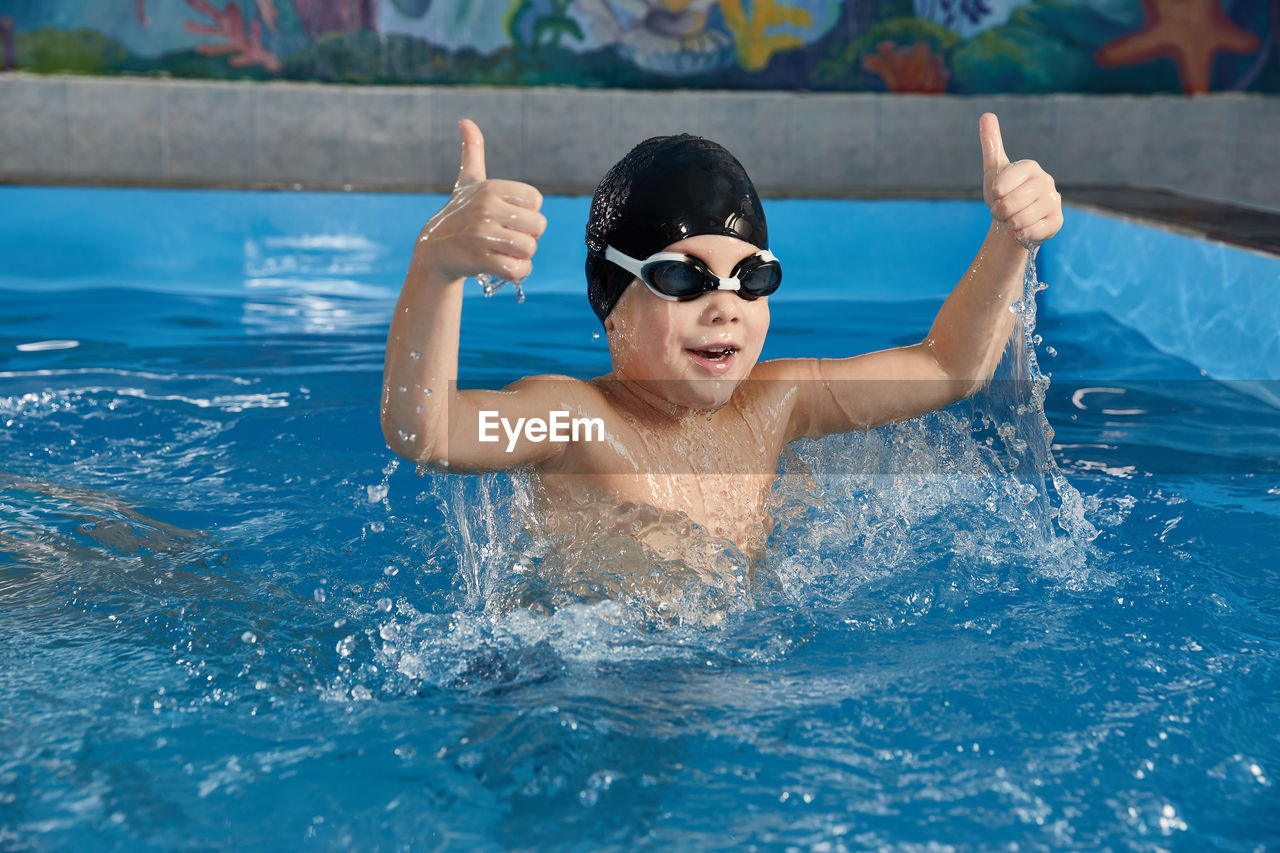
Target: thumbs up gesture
(1021, 195)
(486, 226)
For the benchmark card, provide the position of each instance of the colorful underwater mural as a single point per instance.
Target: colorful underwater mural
(925, 46)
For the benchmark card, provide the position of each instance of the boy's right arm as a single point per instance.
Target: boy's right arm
(486, 227)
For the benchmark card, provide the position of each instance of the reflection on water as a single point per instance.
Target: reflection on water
(48, 527)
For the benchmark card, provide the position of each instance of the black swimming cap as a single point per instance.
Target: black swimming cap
(664, 190)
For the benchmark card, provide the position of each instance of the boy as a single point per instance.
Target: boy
(679, 273)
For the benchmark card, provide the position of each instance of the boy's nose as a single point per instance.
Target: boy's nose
(723, 306)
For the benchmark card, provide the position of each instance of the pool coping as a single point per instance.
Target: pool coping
(1235, 225)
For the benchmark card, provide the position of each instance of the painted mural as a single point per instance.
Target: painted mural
(923, 46)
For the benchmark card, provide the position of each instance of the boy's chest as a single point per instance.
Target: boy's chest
(718, 473)
(733, 442)
(731, 506)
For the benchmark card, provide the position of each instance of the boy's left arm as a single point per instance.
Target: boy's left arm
(968, 336)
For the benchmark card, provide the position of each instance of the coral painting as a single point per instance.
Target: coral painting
(915, 68)
(242, 46)
(920, 46)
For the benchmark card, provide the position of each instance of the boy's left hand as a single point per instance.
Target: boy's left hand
(1022, 196)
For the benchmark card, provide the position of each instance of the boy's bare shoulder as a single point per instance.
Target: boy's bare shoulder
(785, 369)
(560, 392)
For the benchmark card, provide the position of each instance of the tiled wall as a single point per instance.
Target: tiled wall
(562, 140)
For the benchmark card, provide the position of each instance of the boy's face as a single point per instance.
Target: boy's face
(690, 354)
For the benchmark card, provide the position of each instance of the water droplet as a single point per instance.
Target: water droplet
(248, 637)
(595, 336)
(415, 355)
(384, 604)
(420, 408)
(427, 392)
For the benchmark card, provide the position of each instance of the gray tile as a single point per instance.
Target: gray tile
(499, 113)
(1027, 127)
(1187, 146)
(386, 129)
(116, 128)
(754, 126)
(833, 144)
(1257, 152)
(638, 116)
(33, 125)
(299, 132)
(928, 143)
(757, 128)
(210, 131)
(1101, 139)
(568, 137)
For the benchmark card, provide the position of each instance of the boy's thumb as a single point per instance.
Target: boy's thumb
(472, 171)
(993, 157)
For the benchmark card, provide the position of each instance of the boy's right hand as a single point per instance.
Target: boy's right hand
(486, 226)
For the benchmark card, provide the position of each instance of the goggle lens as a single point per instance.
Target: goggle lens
(680, 279)
(761, 279)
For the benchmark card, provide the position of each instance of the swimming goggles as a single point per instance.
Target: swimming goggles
(680, 278)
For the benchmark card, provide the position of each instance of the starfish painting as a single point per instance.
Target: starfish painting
(1190, 32)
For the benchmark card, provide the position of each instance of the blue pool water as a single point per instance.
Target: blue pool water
(230, 618)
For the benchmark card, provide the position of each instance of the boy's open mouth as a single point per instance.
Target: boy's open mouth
(714, 360)
(714, 353)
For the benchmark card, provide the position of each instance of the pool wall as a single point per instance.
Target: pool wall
(68, 128)
(1212, 304)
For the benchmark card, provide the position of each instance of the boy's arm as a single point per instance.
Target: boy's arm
(486, 227)
(968, 336)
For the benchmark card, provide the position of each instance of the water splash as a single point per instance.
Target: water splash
(492, 285)
(971, 492)
(1014, 403)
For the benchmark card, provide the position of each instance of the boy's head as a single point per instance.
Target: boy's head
(665, 190)
(680, 214)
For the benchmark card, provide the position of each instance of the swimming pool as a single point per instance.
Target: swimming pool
(230, 618)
